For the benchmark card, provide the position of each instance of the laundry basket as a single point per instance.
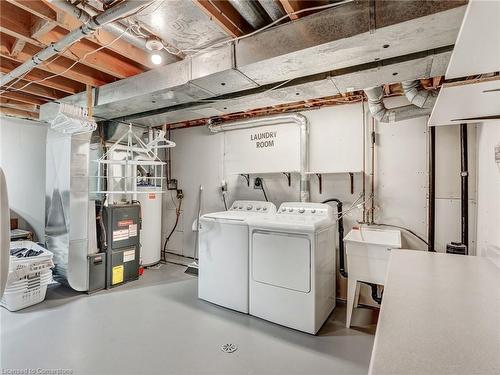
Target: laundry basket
(28, 277)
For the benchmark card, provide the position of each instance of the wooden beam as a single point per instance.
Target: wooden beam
(43, 9)
(10, 103)
(224, 15)
(105, 61)
(38, 90)
(79, 72)
(24, 98)
(17, 47)
(59, 83)
(35, 7)
(41, 27)
(291, 6)
(14, 22)
(18, 112)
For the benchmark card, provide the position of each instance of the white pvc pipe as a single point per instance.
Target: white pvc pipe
(295, 118)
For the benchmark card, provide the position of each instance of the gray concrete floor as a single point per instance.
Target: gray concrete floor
(157, 325)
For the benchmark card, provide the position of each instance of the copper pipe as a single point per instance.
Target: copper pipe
(372, 175)
(364, 159)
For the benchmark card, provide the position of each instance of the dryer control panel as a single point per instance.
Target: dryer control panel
(305, 209)
(254, 206)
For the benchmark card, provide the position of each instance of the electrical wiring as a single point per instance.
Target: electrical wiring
(70, 67)
(59, 55)
(179, 51)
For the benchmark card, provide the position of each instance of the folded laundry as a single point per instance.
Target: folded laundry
(23, 252)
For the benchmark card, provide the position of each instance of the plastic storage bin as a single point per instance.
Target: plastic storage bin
(28, 278)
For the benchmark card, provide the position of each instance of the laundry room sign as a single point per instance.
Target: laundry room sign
(264, 139)
(265, 149)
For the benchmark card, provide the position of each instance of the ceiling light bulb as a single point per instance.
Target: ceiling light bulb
(156, 58)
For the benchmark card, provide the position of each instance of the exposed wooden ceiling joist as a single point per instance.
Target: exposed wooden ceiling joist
(18, 113)
(223, 13)
(291, 6)
(11, 103)
(17, 47)
(36, 89)
(16, 22)
(43, 9)
(21, 97)
(59, 83)
(79, 72)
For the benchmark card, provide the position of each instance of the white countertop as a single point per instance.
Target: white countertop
(440, 315)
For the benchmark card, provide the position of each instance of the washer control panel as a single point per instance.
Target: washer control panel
(305, 209)
(253, 206)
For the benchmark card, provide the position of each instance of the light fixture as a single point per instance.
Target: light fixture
(156, 58)
(155, 45)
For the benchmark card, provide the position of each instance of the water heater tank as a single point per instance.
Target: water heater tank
(150, 237)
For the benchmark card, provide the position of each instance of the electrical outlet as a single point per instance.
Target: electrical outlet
(180, 194)
(257, 183)
(172, 184)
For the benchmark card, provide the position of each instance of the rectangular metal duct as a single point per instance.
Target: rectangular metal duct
(332, 39)
(313, 87)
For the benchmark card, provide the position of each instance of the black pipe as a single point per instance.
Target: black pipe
(465, 186)
(375, 296)
(342, 270)
(431, 229)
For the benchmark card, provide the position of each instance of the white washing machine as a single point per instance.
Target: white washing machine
(223, 253)
(292, 266)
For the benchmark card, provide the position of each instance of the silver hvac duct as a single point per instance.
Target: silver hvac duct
(417, 95)
(251, 12)
(67, 222)
(112, 14)
(272, 8)
(382, 114)
(117, 29)
(295, 118)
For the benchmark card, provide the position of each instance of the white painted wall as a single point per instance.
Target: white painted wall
(488, 186)
(22, 157)
(400, 176)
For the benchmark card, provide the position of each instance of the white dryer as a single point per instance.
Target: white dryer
(292, 266)
(223, 253)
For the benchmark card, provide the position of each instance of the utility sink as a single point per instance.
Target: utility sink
(368, 251)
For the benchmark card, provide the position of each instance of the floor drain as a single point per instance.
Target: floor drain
(229, 348)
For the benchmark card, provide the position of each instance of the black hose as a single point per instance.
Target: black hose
(431, 226)
(264, 191)
(375, 296)
(464, 199)
(259, 182)
(403, 228)
(103, 237)
(342, 270)
(177, 215)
